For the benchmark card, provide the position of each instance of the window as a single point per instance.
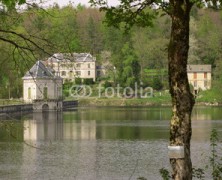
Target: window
(59, 90)
(88, 73)
(78, 65)
(205, 84)
(195, 83)
(205, 75)
(63, 73)
(29, 93)
(88, 65)
(195, 75)
(78, 73)
(70, 74)
(63, 65)
(45, 92)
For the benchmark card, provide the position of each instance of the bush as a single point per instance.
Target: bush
(78, 81)
(67, 85)
(88, 81)
(107, 84)
(65, 93)
(157, 84)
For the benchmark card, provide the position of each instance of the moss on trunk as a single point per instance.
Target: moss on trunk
(182, 99)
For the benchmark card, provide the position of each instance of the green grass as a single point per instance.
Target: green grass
(156, 100)
(210, 96)
(5, 102)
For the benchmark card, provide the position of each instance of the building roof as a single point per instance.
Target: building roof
(199, 68)
(72, 57)
(39, 70)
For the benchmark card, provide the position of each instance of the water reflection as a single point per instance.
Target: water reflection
(106, 123)
(44, 126)
(114, 123)
(79, 125)
(98, 143)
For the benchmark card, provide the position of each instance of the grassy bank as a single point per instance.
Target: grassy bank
(204, 98)
(155, 101)
(212, 96)
(5, 102)
(209, 97)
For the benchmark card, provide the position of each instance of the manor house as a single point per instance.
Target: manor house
(70, 66)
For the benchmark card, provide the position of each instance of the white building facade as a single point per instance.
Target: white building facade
(41, 85)
(70, 66)
(199, 76)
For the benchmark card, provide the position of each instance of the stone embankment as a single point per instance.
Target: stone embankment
(29, 107)
(16, 108)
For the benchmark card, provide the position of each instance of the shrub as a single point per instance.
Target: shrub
(88, 81)
(78, 80)
(107, 84)
(157, 84)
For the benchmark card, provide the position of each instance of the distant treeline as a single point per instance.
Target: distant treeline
(128, 56)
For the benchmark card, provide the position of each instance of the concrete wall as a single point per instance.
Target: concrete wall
(50, 105)
(16, 108)
(69, 104)
(37, 106)
(54, 105)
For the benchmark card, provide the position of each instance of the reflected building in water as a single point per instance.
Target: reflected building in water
(201, 125)
(84, 130)
(51, 126)
(79, 125)
(44, 126)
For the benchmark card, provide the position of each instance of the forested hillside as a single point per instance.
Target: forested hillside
(81, 29)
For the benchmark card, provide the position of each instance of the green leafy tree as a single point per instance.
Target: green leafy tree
(209, 37)
(89, 30)
(157, 84)
(193, 57)
(130, 69)
(11, 4)
(18, 48)
(136, 12)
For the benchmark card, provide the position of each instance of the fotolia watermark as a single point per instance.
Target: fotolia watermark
(80, 91)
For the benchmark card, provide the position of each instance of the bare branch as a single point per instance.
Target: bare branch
(14, 44)
(26, 39)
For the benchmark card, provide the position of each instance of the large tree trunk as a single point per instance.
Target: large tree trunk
(182, 99)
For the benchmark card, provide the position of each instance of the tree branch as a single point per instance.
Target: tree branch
(15, 44)
(26, 39)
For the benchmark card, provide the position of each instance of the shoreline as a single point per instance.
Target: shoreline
(115, 102)
(124, 102)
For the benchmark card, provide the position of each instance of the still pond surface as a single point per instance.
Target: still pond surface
(113, 143)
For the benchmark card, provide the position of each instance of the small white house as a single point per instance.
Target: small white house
(42, 87)
(199, 76)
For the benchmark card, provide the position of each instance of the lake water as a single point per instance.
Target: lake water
(113, 143)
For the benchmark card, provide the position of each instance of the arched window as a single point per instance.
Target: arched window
(29, 93)
(45, 92)
(71, 74)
